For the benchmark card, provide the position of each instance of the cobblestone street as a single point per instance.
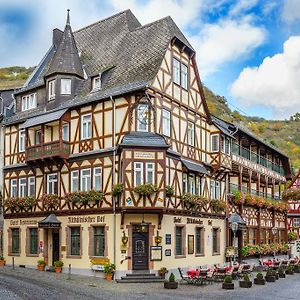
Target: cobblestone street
(32, 284)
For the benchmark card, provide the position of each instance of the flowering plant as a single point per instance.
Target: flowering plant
(238, 197)
(217, 206)
(84, 198)
(50, 201)
(147, 189)
(194, 202)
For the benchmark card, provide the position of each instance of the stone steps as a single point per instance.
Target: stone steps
(140, 277)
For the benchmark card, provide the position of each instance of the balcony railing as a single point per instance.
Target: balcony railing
(258, 159)
(234, 187)
(48, 150)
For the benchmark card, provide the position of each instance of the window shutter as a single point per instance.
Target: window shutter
(27, 246)
(218, 239)
(68, 241)
(202, 234)
(9, 241)
(91, 241)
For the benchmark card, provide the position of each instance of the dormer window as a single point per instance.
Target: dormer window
(51, 90)
(96, 85)
(65, 86)
(29, 102)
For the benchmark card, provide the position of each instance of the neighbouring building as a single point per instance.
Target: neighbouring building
(112, 156)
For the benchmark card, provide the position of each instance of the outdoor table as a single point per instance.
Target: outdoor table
(192, 273)
(268, 263)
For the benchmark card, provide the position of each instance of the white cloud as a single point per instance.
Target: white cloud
(224, 42)
(290, 12)
(242, 6)
(275, 83)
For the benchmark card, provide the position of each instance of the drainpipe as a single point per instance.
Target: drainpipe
(113, 174)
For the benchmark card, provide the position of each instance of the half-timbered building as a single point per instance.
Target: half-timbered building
(111, 155)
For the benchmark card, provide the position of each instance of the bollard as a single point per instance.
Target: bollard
(13, 263)
(69, 273)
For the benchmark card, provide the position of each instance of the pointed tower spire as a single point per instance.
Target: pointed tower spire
(68, 18)
(66, 58)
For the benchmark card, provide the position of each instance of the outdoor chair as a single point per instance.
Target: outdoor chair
(184, 277)
(239, 273)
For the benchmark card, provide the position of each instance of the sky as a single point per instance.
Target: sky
(247, 50)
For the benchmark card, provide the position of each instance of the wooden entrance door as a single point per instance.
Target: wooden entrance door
(140, 248)
(55, 246)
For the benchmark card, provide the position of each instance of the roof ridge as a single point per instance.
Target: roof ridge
(102, 20)
(152, 23)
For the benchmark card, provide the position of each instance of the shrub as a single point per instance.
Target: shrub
(118, 189)
(269, 273)
(228, 279)
(280, 271)
(172, 278)
(246, 277)
(292, 236)
(259, 276)
(147, 189)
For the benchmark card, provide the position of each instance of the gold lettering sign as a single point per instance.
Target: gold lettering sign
(144, 155)
(87, 219)
(99, 261)
(23, 222)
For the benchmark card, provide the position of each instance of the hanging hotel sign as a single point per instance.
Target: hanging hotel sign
(144, 155)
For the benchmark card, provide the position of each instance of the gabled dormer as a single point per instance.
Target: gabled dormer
(65, 69)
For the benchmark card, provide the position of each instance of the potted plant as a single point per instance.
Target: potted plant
(169, 191)
(289, 270)
(171, 283)
(228, 284)
(269, 276)
(297, 268)
(41, 265)
(147, 189)
(246, 282)
(162, 272)
(109, 270)
(118, 189)
(2, 261)
(259, 279)
(281, 273)
(292, 236)
(58, 266)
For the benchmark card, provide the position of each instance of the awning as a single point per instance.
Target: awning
(192, 166)
(42, 119)
(50, 222)
(236, 218)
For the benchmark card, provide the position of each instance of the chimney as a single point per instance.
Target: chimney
(57, 36)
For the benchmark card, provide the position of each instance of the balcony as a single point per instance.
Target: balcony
(59, 149)
(234, 187)
(257, 162)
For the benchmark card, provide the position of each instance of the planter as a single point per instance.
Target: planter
(270, 278)
(289, 272)
(228, 286)
(41, 267)
(171, 285)
(58, 269)
(259, 281)
(108, 276)
(245, 284)
(2, 263)
(296, 270)
(162, 275)
(281, 275)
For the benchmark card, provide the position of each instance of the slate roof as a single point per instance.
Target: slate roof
(129, 54)
(195, 167)
(144, 139)
(225, 127)
(7, 96)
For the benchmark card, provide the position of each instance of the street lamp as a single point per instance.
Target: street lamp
(234, 227)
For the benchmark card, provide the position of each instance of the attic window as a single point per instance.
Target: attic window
(29, 102)
(96, 85)
(65, 86)
(51, 90)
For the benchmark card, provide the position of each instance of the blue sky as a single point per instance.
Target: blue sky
(247, 50)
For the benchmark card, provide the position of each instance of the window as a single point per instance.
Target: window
(29, 102)
(74, 181)
(96, 85)
(252, 236)
(214, 142)
(13, 188)
(184, 76)
(22, 187)
(97, 184)
(166, 123)
(86, 127)
(22, 140)
(99, 241)
(184, 183)
(215, 189)
(216, 240)
(227, 146)
(51, 90)
(180, 73)
(85, 180)
(142, 117)
(37, 137)
(33, 241)
(176, 71)
(199, 240)
(75, 240)
(15, 240)
(178, 241)
(192, 184)
(52, 184)
(138, 173)
(191, 133)
(296, 222)
(65, 86)
(150, 173)
(65, 132)
(31, 186)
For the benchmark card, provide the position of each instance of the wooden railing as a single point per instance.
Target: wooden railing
(48, 150)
